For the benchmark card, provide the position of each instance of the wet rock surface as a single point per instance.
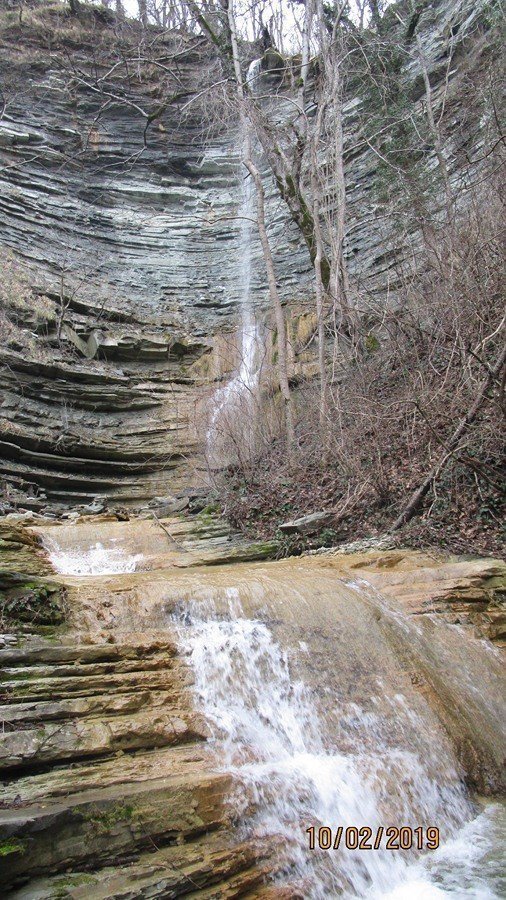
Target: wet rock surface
(467, 592)
(103, 755)
(111, 788)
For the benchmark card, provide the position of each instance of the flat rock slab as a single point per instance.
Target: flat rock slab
(309, 524)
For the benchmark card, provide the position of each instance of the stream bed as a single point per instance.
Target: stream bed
(300, 710)
(292, 773)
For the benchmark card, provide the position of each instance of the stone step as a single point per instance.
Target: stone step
(22, 715)
(212, 867)
(84, 654)
(67, 703)
(110, 823)
(94, 774)
(61, 742)
(32, 688)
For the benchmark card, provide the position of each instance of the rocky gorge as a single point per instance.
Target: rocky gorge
(122, 253)
(179, 703)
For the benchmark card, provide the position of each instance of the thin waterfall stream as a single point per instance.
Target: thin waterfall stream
(238, 394)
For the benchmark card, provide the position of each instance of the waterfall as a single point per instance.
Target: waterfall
(95, 559)
(291, 772)
(236, 398)
(253, 75)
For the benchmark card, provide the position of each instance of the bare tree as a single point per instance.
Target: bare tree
(143, 11)
(282, 365)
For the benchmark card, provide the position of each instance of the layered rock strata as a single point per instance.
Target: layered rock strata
(122, 292)
(111, 789)
(108, 783)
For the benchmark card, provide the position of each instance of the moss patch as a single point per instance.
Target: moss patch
(105, 820)
(25, 599)
(12, 845)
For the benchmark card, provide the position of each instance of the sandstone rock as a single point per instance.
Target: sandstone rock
(166, 506)
(310, 524)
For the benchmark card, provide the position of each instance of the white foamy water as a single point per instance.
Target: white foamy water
(93, 560)
(237, 396)
(290, 776)
(238, 392)
(471, 865)
(253, 75)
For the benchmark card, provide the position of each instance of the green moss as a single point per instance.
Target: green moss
(210, 509)
(263, 549)
(327, 537)
(71, 881)
(25, 599)
(496, 584)
(51, 633)
(12, 845)
(103, 821)
(204, 519)
(371, 343)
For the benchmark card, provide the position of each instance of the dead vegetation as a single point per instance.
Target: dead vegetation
(395, 400)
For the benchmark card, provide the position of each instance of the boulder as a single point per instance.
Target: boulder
(272, 61)
(309, 524)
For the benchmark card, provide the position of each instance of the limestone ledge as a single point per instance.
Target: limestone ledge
(112, 789)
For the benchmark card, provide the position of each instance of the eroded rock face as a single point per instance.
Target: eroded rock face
(112, 788)
(141, 245)
(140, 240)
(106, 763)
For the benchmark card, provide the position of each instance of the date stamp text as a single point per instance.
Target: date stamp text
(365, 838)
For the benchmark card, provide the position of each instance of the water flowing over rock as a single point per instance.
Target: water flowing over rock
(179, 709)
(236, 399)
(187, 725)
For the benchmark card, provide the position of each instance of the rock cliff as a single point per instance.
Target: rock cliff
(122, 247)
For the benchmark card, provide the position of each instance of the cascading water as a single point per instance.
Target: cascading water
(238, 395)
(96, 559)
(253, 75)
(292, 773)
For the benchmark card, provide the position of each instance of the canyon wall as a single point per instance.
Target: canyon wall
(122, 251)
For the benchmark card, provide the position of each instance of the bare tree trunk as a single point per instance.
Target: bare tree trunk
(320, 314)
(331, 99)
(375, 14)
(264, 240)
(341, 282)
(304, 63)
(143, 11)
(316, 190)
(435, 133)
(286, 174)
(450, 446)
